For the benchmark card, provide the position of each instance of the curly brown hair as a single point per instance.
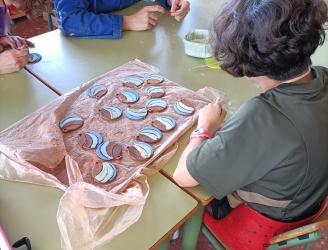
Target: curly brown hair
(273, 38)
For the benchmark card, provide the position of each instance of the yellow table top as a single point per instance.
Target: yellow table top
(30, 210)
(21, 94)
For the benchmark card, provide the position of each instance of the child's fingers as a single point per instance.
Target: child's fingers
(154, 8)
(217, 101)
(152, 22)
(182, 11)
(11, 43)
(22, 52)
(185, 6)
(20, 43)
(30, 44)
(174, 6)
(153, 16)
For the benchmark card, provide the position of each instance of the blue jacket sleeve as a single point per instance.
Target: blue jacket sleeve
(83, 18)
(165, 4)
(86, 18)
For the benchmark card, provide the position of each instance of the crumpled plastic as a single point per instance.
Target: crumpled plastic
(90, 214)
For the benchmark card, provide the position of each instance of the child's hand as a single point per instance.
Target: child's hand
(15, 42)
(211, 117)
(13, 60)
(144, 19)
(179, 9)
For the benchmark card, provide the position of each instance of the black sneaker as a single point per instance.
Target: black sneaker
(219, 209)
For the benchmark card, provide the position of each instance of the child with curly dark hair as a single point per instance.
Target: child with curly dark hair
(273, 152)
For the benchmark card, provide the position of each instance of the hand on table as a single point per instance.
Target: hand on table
(179, 9)
(15, 42)
(211, 117)
(13, 60)
(142, 20)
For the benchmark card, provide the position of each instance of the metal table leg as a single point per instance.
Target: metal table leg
(191, 230)
(165, 244)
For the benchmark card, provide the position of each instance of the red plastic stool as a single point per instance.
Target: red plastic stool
(246, 229)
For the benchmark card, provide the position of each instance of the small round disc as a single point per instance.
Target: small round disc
(156, 105)
(149, 134)
(70, 123)
(140, 151)
(34, 58)
(184, 107)
(97, 91)
(128, 96)
(136, 113)
(154, 78)
(133, 81)
(90, 140)
(155, 92)
(111, 112)
(164, 123)
(108, 151)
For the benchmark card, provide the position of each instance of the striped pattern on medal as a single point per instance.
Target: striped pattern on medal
(183, 109)
(167, 122)
(136, 113)
(134, 80)
(156, 104)
(95, 139)
(114, 112)
(154, 77)
(71, 122)
(108, 173)
(97, 91)
(152, 134)
(130, 96)
(144, 149)
(155, 91)
(102, 152)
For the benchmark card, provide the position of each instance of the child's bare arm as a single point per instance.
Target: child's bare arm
(210, 119)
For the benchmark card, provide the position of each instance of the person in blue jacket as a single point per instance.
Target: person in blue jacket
(90, 18)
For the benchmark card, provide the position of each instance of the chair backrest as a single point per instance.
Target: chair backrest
(323, 216)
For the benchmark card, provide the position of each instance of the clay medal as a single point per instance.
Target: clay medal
(149, 134)
(104, 172)
(71, 123)
(184, 107)
(90, 140)
(111, 112)
(140, 151)
(164, 123)
(156, 105)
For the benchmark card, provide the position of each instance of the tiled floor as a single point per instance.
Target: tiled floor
(202, 244)
(25, 28)
(28, 29)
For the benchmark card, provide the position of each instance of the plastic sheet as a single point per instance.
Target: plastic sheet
(35, 150)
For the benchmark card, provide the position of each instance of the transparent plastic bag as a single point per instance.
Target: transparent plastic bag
(35, 150)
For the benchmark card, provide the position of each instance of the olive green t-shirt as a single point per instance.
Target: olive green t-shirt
(273, 151)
